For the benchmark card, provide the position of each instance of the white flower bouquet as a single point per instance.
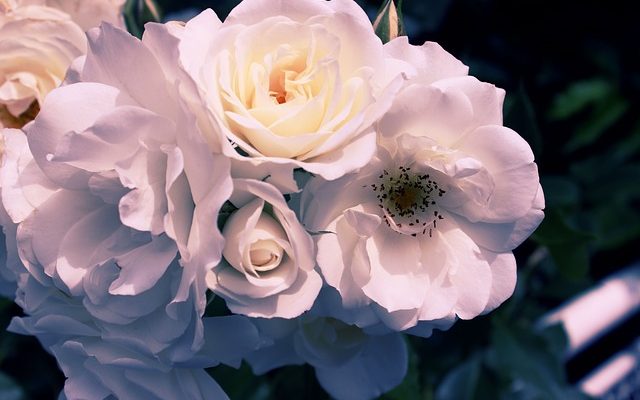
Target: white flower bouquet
(332, 192)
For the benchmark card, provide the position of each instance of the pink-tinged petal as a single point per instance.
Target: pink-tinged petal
(81, 241)
(425, 328)
(399, 320)
(330, 304)
(509, 160)
(396, 282)
(253, 11)
(363, 222)
(113, 137)
(24, 186)
(498, 148)
(323, 201)
(278, 350)
(438, 257)
(486, 99)
(504, 276)
(344, 263)
(471, 275)
(290, 303)
(199, 33)
(500, 237)
(238, 334)
(381, 366)
(427, 63)
(118, 59)
(56, 217)
(178, 383)
(233, 284)
(72, 108)
(299, 239)
(142, 268)
(441, 115)
(145, 206)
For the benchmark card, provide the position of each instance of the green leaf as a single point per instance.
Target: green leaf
(520, 115)
(462, 382)
(388, 24)
(560, 192)
(555, 229)
(566, 244)
(240, 383)
(139, 12)
(579, 96)
(531, 361)
(606, 114)
(9, 389)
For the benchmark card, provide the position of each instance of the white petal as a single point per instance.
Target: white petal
(239, 335)
(24, 186)
(142, 268)
(72, 108)
(504, 275)
(140, 77)
(427, 63)
(381, 366)
(509, 160)
(471, 275)
(396, 282)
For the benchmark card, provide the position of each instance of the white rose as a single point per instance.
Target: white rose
(430, 223)
(37, 44)
(87, 13)
(114, 195)
(99, 363)
(269, 259)
(296, 84)
(348, 362)
(38, 41)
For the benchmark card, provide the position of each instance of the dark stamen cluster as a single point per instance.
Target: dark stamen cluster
(408, 196)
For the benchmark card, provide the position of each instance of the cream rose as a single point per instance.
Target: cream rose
(268, 266)
(38, 41)
(298, 84)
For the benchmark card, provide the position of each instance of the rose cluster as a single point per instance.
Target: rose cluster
(332, 191)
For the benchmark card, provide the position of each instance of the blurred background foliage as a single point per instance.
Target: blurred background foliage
(571, 70)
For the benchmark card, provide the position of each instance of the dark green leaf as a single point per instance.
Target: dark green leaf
(139, 12)
(9, 389)
(578, 96)
(605, 115)
(560, 191)
(240, 383)
(520, 115)
(462, 382)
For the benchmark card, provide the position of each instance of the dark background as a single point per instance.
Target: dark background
(571, 70)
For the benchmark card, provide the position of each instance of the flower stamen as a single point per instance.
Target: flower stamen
(408, 201)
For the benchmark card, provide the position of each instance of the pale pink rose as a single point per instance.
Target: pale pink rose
(291, 84)
(424, 232)
(348, 362)
(269, 258)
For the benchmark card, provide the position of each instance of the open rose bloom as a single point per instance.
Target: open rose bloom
(159, 177)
